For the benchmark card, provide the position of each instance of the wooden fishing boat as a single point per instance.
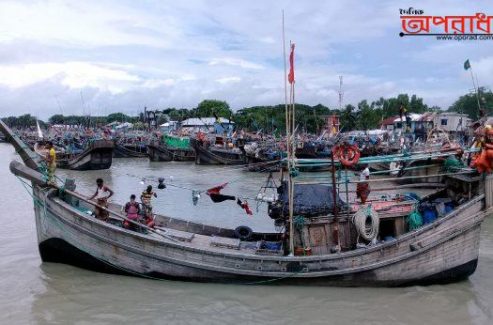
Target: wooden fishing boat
(98, 154)
(443, 250)
(217, 153)
(170, 149)
(129, 151)
(130, 146)
(263, 157)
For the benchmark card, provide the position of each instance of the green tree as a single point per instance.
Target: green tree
(118, 117)
(209, 107)
(468, 104)
(56, 119)
(22, 121)
(368, 117)
(348, 118)
(416, 105)
(178, 114)
(162, 118)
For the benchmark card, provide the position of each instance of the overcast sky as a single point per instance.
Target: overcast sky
(98, 57)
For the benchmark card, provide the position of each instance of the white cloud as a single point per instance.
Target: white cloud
(483, 69)
(124, 55)
(155, 83)
(72, 74)
(85, 23)
(226, 80)
(267, 40)
(236, 62)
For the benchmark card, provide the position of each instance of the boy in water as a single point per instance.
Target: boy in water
(102, 194)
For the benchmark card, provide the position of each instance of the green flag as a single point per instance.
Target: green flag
(467, 65)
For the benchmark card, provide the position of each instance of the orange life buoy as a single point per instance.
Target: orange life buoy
(348, 155)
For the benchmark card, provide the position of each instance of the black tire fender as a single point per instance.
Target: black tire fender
(243, 232)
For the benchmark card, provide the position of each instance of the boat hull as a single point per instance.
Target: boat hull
(122, 151)
(96, 159)
(212, 156)
(444, 251)
(98, 155)
(162, 153)
(59, 251)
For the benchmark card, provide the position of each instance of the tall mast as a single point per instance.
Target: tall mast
(341, 93)
(288, 137)
(292, 157)
(476, 88)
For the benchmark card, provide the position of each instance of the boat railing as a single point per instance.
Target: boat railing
(161, 220)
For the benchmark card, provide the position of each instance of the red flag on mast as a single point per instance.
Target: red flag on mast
(291, 65)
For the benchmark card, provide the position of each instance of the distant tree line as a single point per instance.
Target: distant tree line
(468, 104)
(364, 116)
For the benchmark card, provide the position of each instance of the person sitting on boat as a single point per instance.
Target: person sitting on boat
(51, 162)
(363, 187)
(132, 210)
(146, 199)
(102, 194)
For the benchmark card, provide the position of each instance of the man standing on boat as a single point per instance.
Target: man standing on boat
(102, 194)
(363, 187)
(146, 199)
(132, 209)
(51, 162)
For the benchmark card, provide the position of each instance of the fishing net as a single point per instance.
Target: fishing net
(308, 200)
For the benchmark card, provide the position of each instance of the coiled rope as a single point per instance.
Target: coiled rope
(367, 223)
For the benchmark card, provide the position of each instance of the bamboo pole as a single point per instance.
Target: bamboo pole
(393, 179)
(288, 139)
(334, 203)
(476, 88)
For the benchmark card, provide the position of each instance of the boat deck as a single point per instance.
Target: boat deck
(229, 244)
(215, 243)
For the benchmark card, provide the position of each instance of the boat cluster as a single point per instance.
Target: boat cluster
(223, 146)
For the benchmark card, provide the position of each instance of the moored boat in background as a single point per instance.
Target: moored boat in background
(97, 154)
(217, 151)
(170, 148)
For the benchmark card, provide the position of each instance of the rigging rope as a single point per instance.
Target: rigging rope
(367, 223)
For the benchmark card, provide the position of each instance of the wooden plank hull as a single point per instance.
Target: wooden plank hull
(122, 151)
(98, 155)
(96, 159)
(257, 164)
(212, 156)
(162, 153)
(444, 251)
